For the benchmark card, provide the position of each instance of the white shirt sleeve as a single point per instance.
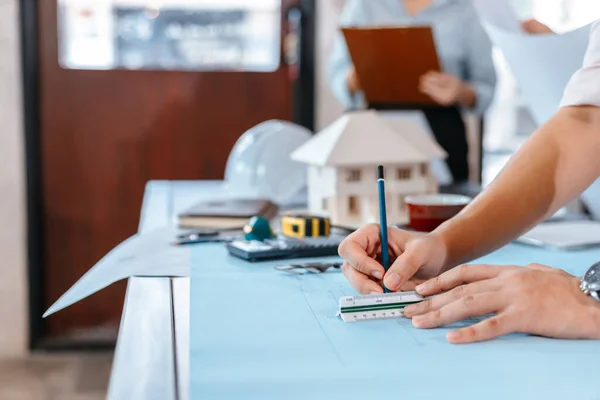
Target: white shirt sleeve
(584, 86)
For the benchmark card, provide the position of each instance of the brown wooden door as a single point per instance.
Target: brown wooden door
(104, 134)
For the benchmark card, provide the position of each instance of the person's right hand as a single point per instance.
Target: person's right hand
(352, 81)
(413, 258)
(535, 27)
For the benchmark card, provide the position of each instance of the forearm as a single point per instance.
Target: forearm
(558, 162)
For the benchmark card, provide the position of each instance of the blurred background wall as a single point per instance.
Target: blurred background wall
(13, 284)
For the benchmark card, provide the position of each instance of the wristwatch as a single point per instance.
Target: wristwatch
(590, 283)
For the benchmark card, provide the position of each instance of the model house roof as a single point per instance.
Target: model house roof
(365, 138)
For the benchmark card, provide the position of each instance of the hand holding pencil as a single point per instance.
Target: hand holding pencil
(411, 257)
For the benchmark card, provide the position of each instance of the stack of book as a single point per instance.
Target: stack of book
(226, 213)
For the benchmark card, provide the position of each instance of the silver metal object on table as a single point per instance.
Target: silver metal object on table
(303, 269)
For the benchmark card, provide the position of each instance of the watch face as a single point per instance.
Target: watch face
(591, 279)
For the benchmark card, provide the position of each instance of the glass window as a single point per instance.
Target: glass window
(354, 175)
(403, 174)
(324, 205)
(198, 35)
(424, 169)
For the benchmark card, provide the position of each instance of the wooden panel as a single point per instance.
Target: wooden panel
(106, 133)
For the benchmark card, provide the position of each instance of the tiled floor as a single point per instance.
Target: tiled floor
(76, 376)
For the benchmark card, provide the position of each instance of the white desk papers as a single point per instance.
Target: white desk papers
(149, 254)
(568, 235)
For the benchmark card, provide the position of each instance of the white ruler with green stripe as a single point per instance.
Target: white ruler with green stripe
(376, 306)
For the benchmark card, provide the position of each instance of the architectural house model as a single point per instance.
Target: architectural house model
(342, 167)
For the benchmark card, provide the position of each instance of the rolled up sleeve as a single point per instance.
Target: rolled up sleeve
(584, 87)
(339, 62)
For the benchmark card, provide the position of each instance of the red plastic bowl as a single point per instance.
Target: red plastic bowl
(427, 212)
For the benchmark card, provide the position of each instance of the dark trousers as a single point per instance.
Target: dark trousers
(449, 130)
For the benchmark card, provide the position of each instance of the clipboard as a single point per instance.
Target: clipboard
(389, 62)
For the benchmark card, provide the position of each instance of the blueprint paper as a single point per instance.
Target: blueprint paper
(149, 254)
(541, 64)
(259, 333)
(498, 13)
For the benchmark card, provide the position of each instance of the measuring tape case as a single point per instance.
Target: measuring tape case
(305, 226)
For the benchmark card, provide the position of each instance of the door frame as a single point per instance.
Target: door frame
(31, 126)
(303, 102)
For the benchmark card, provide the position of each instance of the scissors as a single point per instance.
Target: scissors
(206, 232)
(206, 236)
(303, 269)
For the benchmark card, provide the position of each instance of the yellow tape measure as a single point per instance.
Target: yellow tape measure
(301, 226)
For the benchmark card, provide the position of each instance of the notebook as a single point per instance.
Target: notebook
(226, 213)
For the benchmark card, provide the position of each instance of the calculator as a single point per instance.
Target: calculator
(285, 247)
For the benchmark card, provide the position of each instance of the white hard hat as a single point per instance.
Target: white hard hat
(259, 165)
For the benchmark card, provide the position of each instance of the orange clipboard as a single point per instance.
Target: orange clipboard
(389, 62)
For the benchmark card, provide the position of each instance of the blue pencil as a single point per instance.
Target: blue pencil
(385, 257)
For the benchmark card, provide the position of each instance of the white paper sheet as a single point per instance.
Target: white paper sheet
(541, 64)
(498, 13)
(564, 235)
(149, 254)
(295, 347)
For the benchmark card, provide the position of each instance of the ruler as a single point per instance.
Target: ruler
(376, 306)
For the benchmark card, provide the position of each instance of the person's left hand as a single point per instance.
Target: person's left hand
(443, 88)
(535, 299)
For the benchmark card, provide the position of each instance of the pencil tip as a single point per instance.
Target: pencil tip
(380, 172)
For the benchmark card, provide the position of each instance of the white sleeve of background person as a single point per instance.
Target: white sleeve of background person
(584, 86)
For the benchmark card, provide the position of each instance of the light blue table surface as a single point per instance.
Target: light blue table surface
(258, 333)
